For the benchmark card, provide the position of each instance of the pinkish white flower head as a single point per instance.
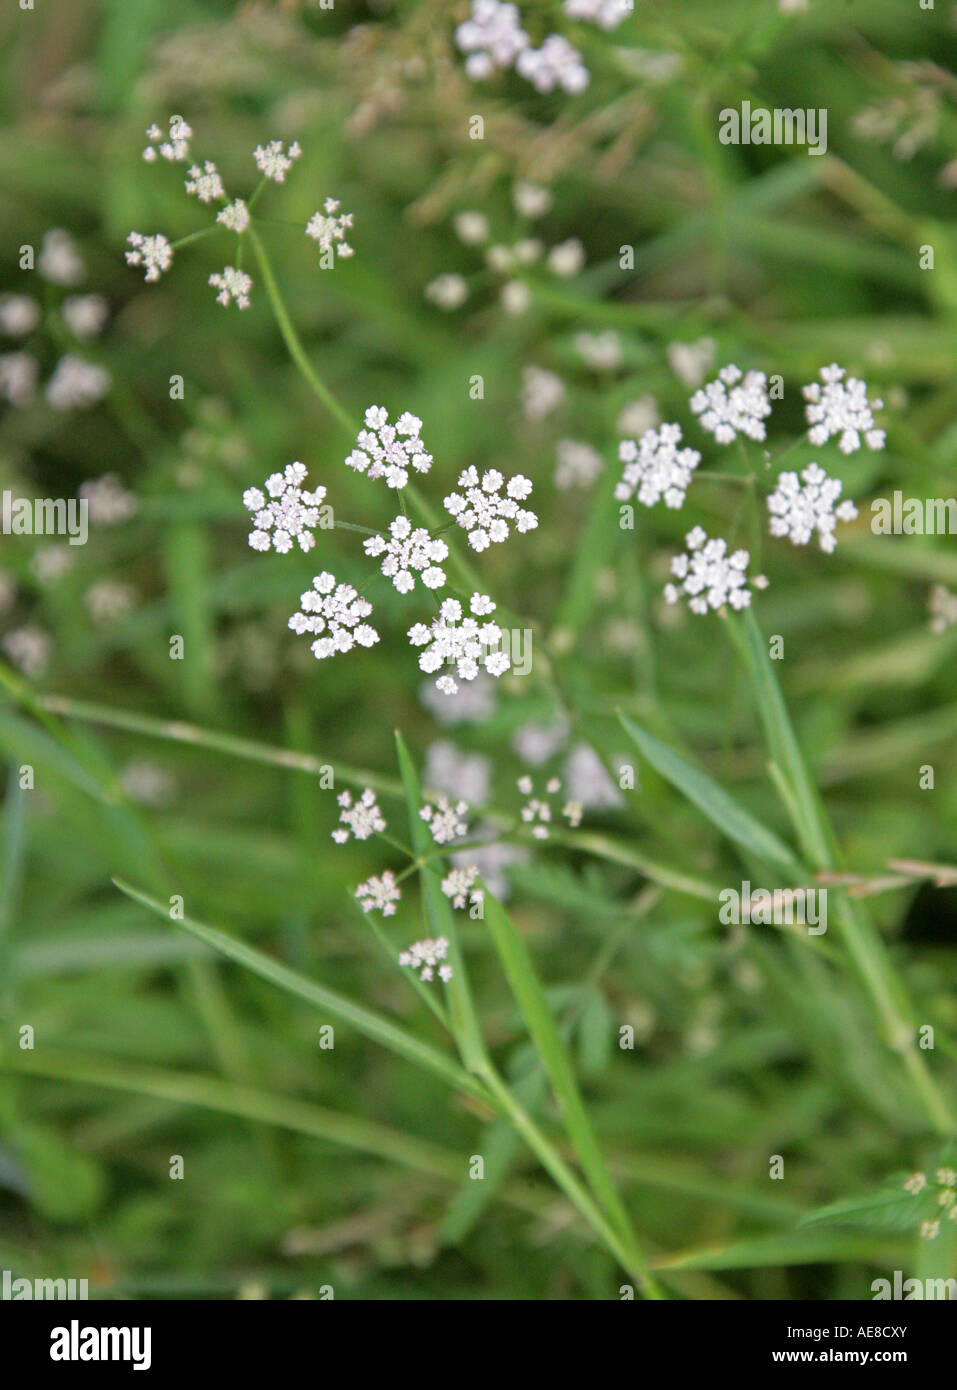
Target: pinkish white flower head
(76, 385)
(516, 297)
(484, 511)
(329, 228)
(19, 315)
(915, 1184)
(567, 258)
(691, 361)
(424, 956)
(448, 292)
(175, 147)
(555, 64)
(941, 604)
(531, 199)
(290, 515)
(607, 14)
(59, 260)
(638, 416)
(409, 551)
(542, 392)
(709, 577)
(85, 314)
(841, 408)
(107, 600)
(204, 183)
(587, 780)
(929, 1230)
(493, 38)
(152, 252)
(389, 451)
(578, 464)
(798, 511)
(458, 885)
(537, 811)
(446, 820)
(334, 614)
(473, 704)
(18, 378)
(235, 216)
(535, 743)
(274, 161)
(362, 818)
(379, 894)
(233, 286)
(461, 643)
(656, 468)
(741, 410)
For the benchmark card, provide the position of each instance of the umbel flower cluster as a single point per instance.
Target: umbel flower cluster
(153, 252)
(737, 404)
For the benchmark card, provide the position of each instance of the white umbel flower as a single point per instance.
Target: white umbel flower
(424, 956)
(379, 894)
(567, 258)
(362, 818)
(274, 160)
(233, 286)
(741, 410)
(607, 14)
(709, 577)
(29, 648)
(329, 228)
(458, 885)
(175, 147)
(204, 183)
(235, 216)
(389, 451)
(446, 819)
(153, 252)
(447, 291)
(798, 511)
(471, 227)
(555, 64)
(290, 516)
(531, 199)
(18, 378)
(485, 512)
(76, 385)
(85, 314)
(335, 614)
(407, 552)
(461, 643)
(493, 37)
(655, 468)
(841, 408)
(542, 392)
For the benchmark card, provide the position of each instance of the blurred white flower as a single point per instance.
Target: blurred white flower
(107, 499)
(493, 37)
(449, 770)
(587, 780)
(710, 578)
(567, 258)
(531, 200)
(578, 464)
(19, 315)
(18, 378)
(942, 606)
(59, 260)
(447, 291)
(638, 416)
(535, 743)
(108, 599)
(542, 391)
(691, 362)
(471, 227)
(555, 64)
(600, 351)
(798, 511)
(29, 648)
(85, 314)
(75, 384)
(516, 297)
(842, 408)
(608, 14)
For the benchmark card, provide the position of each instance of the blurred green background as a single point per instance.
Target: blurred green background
(785, 262)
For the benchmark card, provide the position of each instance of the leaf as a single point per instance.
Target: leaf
(723, 812)
(889, 1209)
